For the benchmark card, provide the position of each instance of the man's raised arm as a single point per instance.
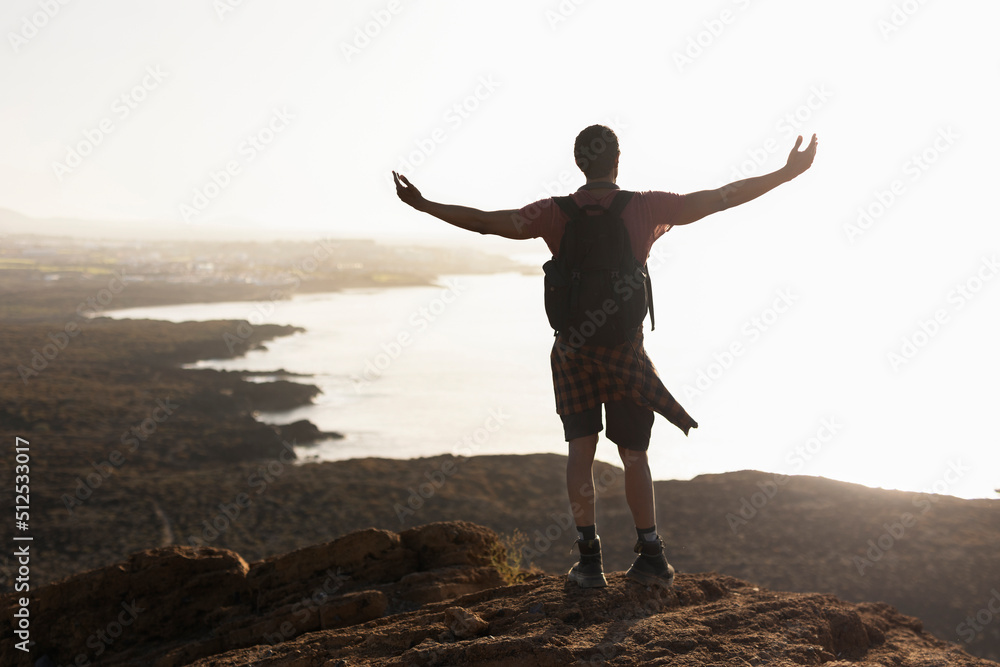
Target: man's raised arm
(502, 223)
(705, 202)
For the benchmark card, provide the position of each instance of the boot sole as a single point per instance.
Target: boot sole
(650, 579)
(592, 581)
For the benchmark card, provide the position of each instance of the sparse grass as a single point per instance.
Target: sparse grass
(508, 559)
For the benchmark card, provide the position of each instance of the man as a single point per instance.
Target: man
(620, 378)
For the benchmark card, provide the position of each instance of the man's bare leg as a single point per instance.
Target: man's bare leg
(580, 478)
(651, 566)
(638, 487)
(588, 572)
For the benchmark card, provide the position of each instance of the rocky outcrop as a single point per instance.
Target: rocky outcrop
(433, 595)
(173, 605)
(304, 432)
(705, 619)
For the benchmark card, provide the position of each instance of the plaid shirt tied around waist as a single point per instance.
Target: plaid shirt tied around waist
(587, 376)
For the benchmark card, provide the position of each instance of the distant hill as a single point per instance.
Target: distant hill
(14, 223)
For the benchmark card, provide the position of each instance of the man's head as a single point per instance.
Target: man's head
(596, 151)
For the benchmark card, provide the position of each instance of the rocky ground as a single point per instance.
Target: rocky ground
(441, 594)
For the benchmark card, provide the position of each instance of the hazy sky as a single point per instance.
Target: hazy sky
(692, 88)
(308, 105)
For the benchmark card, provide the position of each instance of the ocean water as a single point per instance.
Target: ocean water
(411, 371)
(463, 368)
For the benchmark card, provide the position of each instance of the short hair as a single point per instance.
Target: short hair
(596, 150)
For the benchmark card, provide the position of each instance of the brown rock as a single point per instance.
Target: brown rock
(463, 623)
(451, 543)
(278, 395)
(173, 605)
(155, 596)
(352, 609)
(448, 583)
(304, 432)
(374, 556)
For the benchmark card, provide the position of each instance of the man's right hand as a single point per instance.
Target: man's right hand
(407, 192)
(799, 161)
(697, 205)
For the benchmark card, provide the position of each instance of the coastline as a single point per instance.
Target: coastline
(111, 407)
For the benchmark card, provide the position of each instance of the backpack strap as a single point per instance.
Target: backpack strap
(569, 207)
(621, 200)
(573, 210)
(649, 296)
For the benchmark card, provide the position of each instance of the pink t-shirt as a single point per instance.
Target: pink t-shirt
(647, 217)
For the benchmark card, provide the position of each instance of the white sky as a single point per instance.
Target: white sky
(880, 94)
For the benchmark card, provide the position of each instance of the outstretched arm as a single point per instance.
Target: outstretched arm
(502, 223)
(699, 204)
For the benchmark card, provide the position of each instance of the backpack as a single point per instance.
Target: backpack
(596, 291)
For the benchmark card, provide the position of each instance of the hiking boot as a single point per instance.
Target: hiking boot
(651, 567)
(588, 572)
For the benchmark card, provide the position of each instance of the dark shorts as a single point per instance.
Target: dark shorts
(629, 424)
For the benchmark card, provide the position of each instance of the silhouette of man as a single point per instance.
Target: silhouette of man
(589, 376)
